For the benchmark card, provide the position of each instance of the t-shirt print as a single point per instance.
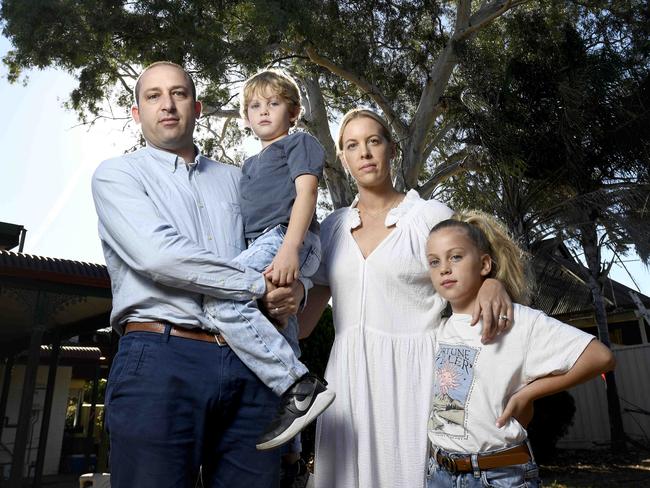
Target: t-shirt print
(454, 381)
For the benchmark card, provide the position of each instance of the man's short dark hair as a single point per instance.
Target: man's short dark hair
(136, 90)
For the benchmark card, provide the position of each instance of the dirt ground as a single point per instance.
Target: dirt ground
(596, 469)
(571, 469)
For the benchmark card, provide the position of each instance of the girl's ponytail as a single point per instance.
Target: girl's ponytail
(492, 238)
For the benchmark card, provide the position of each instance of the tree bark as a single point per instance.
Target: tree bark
(316, 120)
(589, 241)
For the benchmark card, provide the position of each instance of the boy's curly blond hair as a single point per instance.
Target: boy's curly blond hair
(278, 82)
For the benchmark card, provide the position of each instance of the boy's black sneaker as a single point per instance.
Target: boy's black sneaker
(301, 404)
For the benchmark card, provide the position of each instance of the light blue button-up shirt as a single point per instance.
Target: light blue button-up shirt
(169, 231)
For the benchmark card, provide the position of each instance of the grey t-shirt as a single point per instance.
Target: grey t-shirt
(267, 188)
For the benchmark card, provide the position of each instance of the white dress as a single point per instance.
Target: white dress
(381, 365)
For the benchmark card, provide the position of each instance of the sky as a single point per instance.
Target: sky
(48, 159)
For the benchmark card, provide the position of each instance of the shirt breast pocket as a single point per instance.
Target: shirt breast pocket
(227, 221)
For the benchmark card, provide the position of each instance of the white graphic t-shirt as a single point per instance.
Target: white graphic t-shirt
(473, 381)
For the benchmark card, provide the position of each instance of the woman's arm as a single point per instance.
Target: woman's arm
(595, 359)
(316, 302)
(492, 302)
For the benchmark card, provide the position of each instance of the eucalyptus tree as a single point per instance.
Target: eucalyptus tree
(397, 55)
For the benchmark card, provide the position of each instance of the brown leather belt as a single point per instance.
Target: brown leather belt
(463, 464)
(159, 328)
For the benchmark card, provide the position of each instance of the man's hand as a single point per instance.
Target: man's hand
(285, 267)
(520, 407)
(283, 302)
(494, 306)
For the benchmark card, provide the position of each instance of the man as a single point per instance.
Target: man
(178, 399)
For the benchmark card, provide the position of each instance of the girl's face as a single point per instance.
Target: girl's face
(457, 268)
(366, 153)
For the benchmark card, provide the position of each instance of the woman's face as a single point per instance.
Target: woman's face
(366, 152)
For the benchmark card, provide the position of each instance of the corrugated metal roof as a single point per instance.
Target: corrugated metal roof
(561, 288)
(53, 269)
(74, 352)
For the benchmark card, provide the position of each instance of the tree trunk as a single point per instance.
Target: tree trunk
(589, 239)
(316, 119)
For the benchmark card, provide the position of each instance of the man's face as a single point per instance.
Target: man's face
(167, 111)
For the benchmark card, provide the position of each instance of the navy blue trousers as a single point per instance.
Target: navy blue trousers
(176, 405)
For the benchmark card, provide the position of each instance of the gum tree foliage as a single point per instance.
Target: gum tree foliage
(556, 99)
(396, 55)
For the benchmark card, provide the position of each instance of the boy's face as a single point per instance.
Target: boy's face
(456, 267)
(269, 116)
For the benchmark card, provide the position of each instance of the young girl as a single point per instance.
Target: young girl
(472, 435)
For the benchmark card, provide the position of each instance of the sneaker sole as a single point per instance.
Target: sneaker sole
(322, 401)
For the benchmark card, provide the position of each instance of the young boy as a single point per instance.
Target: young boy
(278, 193)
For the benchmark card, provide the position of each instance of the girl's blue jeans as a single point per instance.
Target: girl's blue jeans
(271, 354)
(513, 476)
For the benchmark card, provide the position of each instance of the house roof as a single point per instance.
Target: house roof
(40, 268)
(561, 288)
(78, 353)
(71, 297)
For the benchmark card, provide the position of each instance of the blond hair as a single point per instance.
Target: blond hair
(491, 237)
(136, 90)
(358, 113)
(280, 83)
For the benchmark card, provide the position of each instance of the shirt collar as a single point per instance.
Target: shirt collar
(392, 217)
(171, 160)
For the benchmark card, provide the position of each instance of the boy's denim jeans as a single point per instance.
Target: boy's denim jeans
(271, 354)
(513, 476)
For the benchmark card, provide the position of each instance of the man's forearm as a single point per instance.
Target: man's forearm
(131, 226)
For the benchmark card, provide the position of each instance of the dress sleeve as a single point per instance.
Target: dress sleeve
(434, 212)
(305, 155)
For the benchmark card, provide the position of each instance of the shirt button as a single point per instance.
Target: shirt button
(209, 238)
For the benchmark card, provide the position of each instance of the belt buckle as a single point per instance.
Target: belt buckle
(221, 342)
(447, 463)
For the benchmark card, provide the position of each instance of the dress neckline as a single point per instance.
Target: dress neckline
(392, 219)
(393, 216)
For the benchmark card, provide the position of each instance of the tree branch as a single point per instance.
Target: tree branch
(209, 111)
(373, 91)
(316, 120)
(439, 135)
(460, 162)
(486, 14)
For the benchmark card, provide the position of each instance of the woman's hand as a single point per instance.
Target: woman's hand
(494, 307)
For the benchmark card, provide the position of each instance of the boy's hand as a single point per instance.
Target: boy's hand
(520, 407)
(284, 269)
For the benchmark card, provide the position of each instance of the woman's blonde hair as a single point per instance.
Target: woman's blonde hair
(357, 113)
(276, 81)
(492, 238)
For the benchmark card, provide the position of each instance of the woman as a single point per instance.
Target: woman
(385, 311)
